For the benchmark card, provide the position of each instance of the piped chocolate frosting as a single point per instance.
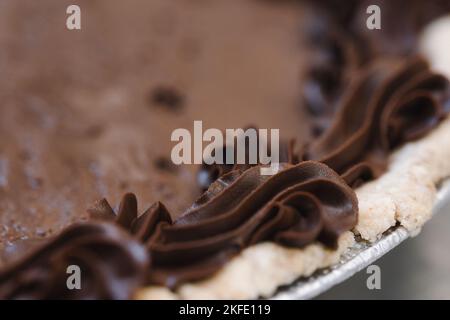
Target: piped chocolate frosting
(112, 266)
(364, 100)
(302, 204)
(387, 104)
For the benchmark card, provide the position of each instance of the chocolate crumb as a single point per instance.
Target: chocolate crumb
(165, 164)
(168, 97)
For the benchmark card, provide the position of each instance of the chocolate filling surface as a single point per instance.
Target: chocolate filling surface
(363, 95)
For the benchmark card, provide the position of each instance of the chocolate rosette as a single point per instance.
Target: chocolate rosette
(334, 58)
(376, 109)
(112, 266)
(342, 44)
(298, 206)
(387, 104)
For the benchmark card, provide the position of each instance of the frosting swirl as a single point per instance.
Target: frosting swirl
(387, 104)
(334, 58)
(112, 266)
(301, 204)
(383, 105)
(342, 45)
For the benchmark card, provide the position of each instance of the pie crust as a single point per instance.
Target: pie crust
(404, 195)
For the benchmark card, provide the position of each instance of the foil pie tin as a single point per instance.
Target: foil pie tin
(356, 258)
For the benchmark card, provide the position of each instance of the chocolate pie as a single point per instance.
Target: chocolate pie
(86, 176)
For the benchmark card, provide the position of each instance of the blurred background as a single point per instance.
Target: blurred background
(419, 268)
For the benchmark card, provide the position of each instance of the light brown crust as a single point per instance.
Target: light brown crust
(405, 194)
(258, 271)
